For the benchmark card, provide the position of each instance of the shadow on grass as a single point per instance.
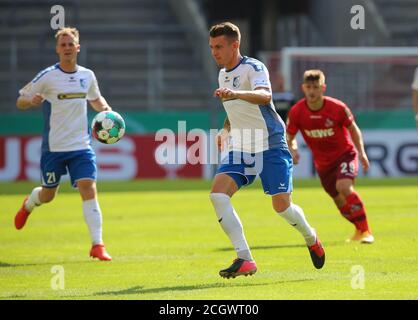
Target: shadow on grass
(23, 187)
(142, 290)
(287, 246)
(14, 265)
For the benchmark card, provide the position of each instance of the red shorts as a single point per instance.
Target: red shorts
(345, 168)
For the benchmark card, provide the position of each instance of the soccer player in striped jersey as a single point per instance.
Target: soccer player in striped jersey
(257, 146)
(63, 90)
(329, 130)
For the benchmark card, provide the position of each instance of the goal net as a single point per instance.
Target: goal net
(363, 77)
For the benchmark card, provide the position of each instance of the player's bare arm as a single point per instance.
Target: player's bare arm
(227, 124)
(357, 138)
(100, 104)
(415, 101)
(221, 138)
(293, 147)
(24, 102)
(260, 95)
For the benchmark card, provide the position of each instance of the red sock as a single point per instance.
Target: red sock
(357, 212)
(345, 211)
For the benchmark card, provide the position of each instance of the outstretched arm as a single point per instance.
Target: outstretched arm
(227, 124)
(221, 138)
(100, 104)
(260, 96)
(357, 138)
(25, 102)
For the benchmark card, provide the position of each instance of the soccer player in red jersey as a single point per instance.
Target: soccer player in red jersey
(329, 130)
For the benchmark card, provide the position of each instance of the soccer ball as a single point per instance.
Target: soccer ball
(108, 127)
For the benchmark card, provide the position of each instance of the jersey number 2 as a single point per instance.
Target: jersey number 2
(347, 167)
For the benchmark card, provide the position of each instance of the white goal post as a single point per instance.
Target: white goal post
(363, 77)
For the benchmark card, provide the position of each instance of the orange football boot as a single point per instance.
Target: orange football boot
(22, 215)
(99, 251)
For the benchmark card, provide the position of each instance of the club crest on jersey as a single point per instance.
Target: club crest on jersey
(329, 123)
(83, 83)
(235, 82)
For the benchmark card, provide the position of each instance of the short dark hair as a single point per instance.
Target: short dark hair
(227, 29)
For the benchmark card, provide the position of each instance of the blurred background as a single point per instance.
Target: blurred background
(153, 64)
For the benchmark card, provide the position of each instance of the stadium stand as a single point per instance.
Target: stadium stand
(400, 18)
(139, 50)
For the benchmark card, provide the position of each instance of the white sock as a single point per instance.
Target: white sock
(93, 218)
(294, 216)
(33, 200)
(231, 224)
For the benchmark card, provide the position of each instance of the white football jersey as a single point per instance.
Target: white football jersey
(254, 128)
(415, 82)
(66, 126)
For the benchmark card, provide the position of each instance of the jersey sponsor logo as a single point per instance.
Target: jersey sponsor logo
(313, 116)
(235, 82)
(75, 95)
(261, 83)
(320, 133)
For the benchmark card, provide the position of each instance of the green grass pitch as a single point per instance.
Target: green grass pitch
(166, 245)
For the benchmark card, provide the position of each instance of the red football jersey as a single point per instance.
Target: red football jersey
(325, 130)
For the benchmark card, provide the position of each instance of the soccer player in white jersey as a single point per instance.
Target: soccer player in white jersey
(64, 89)
(245, 90)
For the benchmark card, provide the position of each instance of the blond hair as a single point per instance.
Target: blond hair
(227, 29)
(314, 75)
(68, 31)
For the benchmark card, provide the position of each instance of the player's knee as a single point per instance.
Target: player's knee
(344, 190)
(87, 189)
(87, 193)
(279, 208)
(281, 204)
(344, 187)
